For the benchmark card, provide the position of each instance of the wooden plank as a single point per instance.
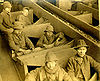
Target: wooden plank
(85, 17)
(62, 53)
(83, 7)
(74, 20)
(35, 30)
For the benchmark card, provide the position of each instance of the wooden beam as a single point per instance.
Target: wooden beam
(62, 53)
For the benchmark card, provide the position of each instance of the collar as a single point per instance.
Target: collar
(79, 59)
(5, 11)
(51, 71)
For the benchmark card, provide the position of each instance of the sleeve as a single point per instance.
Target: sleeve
(19, 18)
(95, 65)
(40, 42)
(24, 20)
(12, 44)
(66, 76)
(28, 22)
(2, 28)
(28, 42)
(60, 39)
(70, 68)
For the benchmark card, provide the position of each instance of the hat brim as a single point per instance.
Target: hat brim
(76, 47)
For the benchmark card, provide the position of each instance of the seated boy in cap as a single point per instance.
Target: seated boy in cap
(20, 43)
(79, 66)
(23, 19)
(49, 40)
(50, 72)
(6, 24)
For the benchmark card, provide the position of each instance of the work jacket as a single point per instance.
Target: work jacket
(41, 74)
(19, 41)
(24, 20)
(6, 21)
(81, 69)
(52, 39)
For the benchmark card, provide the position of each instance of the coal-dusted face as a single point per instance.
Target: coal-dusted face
(25, 12)
(82, 51)
(51, 64)
(8, 9)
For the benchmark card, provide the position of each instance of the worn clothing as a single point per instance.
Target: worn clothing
(19, 41)
(24, 20)
(80, 67)
(45, 74)
(45, 40)
(6, 22)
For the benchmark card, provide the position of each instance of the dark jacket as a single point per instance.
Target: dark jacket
(19, 41)
(6, 22)
(76, 68)
(40, 74)
(52, 39)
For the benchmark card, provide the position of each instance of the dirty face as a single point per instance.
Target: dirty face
(25, 12)
(51, 65)
(49, 33)
(8, 9)
(81, 51)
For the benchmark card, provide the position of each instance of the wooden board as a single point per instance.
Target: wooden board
(38, 58)
(35, 31)
(85, 17)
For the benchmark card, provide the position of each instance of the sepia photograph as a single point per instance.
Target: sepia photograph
(49, 40)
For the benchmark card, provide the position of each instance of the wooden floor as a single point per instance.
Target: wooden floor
(7, 69)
